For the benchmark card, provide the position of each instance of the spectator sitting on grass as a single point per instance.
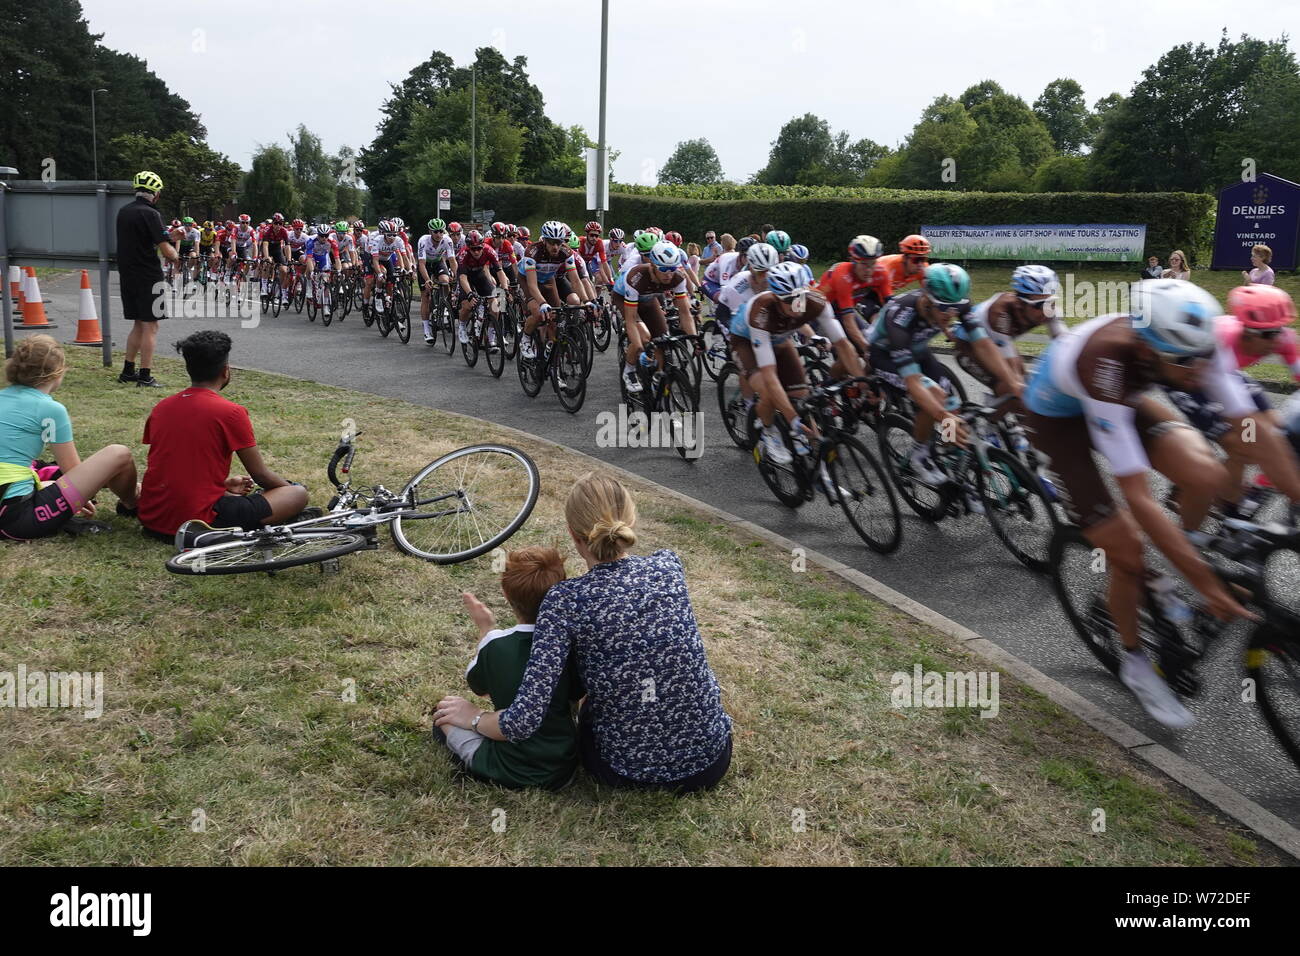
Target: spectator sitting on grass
(29, 419)
(191, 436)
(1262, 272)
(652, 717)
(549, 758)
(1153, 270)
(1178, 267)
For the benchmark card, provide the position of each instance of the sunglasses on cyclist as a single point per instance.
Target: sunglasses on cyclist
(1265, 333)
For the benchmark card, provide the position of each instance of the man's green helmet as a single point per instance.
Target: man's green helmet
(437, 225)
(947, 284)
(778, 240)
(574, 242)
(645, 241)
(145, 179)
(341, 226)
(188, 220)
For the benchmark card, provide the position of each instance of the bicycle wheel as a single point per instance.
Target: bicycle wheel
(568, 377)
(678, 400)
(531, 370)
(402, 318)
(299, 293)
(587, 337)
(1081, 587)
(510, 326)
(368, 311)
(277, 291)
(384, 316)
(716, 353)
(784, 481)
(269, 552)
(894, 436)
(732, 407)
(603, 331)
(865, 494)
(1273, 663)
(467, 502)
(327, 304)
(312, 309)
(470, 347)
(496, 353)
(1019, 511)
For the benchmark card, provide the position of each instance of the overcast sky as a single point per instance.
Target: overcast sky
(730, 71)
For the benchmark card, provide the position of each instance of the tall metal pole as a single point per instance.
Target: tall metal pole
(94, 135)
(473, 136)
(602, 176)
(5, 308)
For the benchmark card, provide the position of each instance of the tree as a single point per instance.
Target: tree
(314, 179)
(1009, 143)
(197, 181)
(1169, 133)
(937, 142)
(1061, 174)
(269, 187)
(1267, 131)
(693, 162)
(348, 198)
(1062, 109)
(804, 142)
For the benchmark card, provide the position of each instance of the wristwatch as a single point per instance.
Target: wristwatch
(473, 724)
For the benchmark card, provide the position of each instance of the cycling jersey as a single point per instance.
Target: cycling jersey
(997, 317)
(592, 253)
(759, 322)
(546, 266)
(207, 237)
(344, 242)
(901, 332)
(275, 235)
(189, 237)
(721, 269)
(1229, 331)
(323, 249)
(504, 250)
(1095, 372)
(888, 276)
(439, 250)
(629, 257)
(468, 260)
(243, 236)
(638, 282)
(737, 292)
(844, 290)
(297, 241)
(384, 246)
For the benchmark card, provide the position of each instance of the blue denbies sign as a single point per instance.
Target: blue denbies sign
(1265, 212)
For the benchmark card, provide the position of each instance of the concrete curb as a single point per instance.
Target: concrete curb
(1266, 825)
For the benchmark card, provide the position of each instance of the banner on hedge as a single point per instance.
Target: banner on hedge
(1089, 242)
(1266, 212)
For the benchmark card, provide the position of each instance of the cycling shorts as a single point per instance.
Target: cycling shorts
(1206, 415)
(480, 282)
(40, 513)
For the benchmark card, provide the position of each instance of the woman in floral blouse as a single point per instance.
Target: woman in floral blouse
(653, 716)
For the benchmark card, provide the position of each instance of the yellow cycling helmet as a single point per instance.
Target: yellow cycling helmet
(146, 179)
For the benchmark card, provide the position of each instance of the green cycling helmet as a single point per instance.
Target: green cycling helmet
(645, 241)
(573, 240)
(341, 226)
(146, 179)
(778, 240)
(947, 284)
(188, 220)
(437, 225)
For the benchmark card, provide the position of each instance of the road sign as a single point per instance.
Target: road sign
(444, 199)
(484, 215)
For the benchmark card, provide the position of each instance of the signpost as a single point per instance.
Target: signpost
(444, 199)
(1264, 211)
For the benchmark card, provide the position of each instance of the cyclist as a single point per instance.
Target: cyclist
(549, 272)
(1008, 315)
(504, 247)
(208, 244)
(273, 239)
(190, 238)
(779, 240)
(1257, 327)
(847, 285)
(1090, 391)
(895, 271)
(322, 252)
(347, 246)
(743, 287)
(900, 354)
(763, 344)
(721, 270)
(638, 294)
(387, 256)
(243, 240)
(593, 251)
(297, 239)
(436, 262)
(474, 267)
(456, 233)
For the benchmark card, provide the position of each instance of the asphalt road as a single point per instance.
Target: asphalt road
(956, 567)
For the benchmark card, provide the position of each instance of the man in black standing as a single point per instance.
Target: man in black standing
(140, 237)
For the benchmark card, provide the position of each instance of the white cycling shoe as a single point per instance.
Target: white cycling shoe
(924, 468)
(1137, 674)
(526, 348)
(461, 334)
(774, 449)
(632, 382)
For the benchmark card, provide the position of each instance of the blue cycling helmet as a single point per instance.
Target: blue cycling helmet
(1174, 316)
(786, 278)
(1034, 280)
(799, 252)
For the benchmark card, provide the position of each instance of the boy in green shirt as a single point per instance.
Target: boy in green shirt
(549, 758)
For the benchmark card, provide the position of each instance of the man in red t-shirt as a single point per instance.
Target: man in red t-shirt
(191, 436)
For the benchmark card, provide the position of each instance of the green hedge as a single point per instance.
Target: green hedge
(1173, 220)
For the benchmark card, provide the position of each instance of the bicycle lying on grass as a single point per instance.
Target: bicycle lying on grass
(456, 508)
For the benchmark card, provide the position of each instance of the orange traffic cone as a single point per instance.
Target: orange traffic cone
(15, 282)
(22, 294)
(87, 321)
(34, 313)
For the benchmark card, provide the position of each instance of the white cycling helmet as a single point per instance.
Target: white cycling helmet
(761, 257)
(1174, 316)
(665, 256)
(1034, 280)
(555, 229)
(786, 278)
(865, 247)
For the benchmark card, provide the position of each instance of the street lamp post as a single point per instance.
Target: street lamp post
(601, 174)
(94, 136)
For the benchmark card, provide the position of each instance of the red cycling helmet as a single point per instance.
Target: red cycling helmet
(525, 233)
(298, 224)
(230, 224)
(512, 230)
(245, 218)
(278, 217)
(1261, 306)
(593, 226)
(915, 245)
(675, 238)
(475, 238)
(175, 223)
(500, 229)
(454, 228)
